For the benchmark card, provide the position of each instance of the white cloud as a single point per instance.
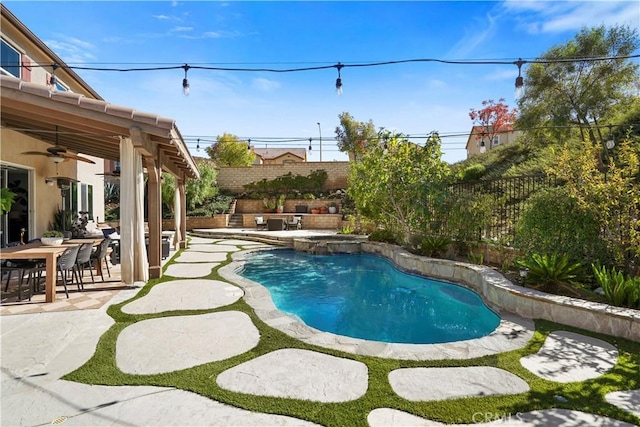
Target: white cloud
(265, 85)
(161, 17)
(72, 50)
(180, 29)
(555, 17)
(478, 33)
(220, 34)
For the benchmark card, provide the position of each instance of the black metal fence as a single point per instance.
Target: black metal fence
(504, 199)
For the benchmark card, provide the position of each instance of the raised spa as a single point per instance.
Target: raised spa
(365, 296)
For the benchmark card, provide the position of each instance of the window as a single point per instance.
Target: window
(86, 199)
(496, 140)
(10, 60)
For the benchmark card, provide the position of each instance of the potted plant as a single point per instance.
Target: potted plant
(7, 198)
(52, 238)
(333, 208)
(315, 211)
(281, 200)
(269, 204)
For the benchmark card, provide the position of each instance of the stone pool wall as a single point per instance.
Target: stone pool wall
(497, 290)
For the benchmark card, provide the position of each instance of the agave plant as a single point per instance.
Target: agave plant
(434, 246)
(619, 290)
(553, 272)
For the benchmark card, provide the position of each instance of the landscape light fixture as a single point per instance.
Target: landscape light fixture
(519, 79)
(610, 142)
(523, 274)
(339, 80)
(185, 81)
(53, 82)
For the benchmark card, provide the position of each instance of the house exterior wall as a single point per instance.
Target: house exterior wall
(46, 198)
(473, 143)
(233, 178)
(286, 158)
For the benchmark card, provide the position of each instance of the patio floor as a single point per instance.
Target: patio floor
(38, 349)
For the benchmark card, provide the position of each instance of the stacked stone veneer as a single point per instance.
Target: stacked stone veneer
(501, 294)
(233, 179)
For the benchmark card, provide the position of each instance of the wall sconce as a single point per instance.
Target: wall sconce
(50, 182)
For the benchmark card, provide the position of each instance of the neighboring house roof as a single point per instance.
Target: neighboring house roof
(94, 125)
(274, 153)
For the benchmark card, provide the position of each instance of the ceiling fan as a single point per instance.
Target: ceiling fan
(114, 173)
(59, 154)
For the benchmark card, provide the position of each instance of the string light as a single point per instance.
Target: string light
(339, 80)
(198, 146)
(185, 81)
(610, 142)
(339, 66)
(519, 79)
(310, 147)
(53, 82)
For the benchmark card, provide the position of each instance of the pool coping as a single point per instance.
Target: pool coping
(512, 333)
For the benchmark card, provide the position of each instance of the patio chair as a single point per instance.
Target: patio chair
(294, 223)
(101, 254)
(261, 224)
(84, 259)
(66, 265)
(32, 268)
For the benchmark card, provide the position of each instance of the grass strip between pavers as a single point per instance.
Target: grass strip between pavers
(586, 396)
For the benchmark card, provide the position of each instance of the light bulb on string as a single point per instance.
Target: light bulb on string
(339, 80)
(310, 147)
(519, 79)
(198, 146)
(185, 81)
(610, 142)
(53, 81)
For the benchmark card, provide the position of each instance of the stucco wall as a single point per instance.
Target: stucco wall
(233, 178)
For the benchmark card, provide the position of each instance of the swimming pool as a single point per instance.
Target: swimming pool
(365, 296)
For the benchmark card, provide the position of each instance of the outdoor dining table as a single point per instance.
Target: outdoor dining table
(50, 254)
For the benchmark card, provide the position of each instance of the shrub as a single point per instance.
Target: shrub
(52, 233)
(433, 246)
(552, 272)
(619, 290)
(385, 236)
(554, 221)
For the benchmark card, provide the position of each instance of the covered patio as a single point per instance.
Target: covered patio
(143, 143)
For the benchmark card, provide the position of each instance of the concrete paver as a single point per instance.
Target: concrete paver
(629, 400)
(424, 384)
(212, 248)
(185, 294)
(193, 256)
(200, 269)
(298, 374)
(169, 344)
(567, 357)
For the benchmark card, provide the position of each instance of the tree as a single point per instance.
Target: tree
(493, 119)
(355, 137)
(579, 93)
(197, 191)
(228, 150)
(393, 184)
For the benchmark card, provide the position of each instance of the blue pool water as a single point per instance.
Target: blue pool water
(365, 296)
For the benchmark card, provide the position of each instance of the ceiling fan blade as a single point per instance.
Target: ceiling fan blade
(75, 157)
(56, 150)
(37, 153)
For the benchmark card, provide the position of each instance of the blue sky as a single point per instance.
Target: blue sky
(414, 98)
